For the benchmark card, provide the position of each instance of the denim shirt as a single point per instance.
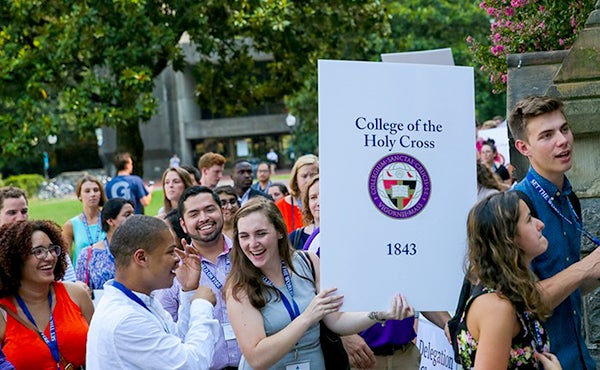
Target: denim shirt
(564, 246)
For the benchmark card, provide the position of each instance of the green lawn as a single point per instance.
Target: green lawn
(60, 210)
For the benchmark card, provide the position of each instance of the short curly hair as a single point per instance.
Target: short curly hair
(15, 247)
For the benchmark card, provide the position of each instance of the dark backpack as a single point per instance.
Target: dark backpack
(465, 293)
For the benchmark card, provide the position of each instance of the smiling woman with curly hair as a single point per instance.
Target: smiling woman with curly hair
(32, 261)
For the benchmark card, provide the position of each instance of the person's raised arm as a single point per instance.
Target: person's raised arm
(439, 318)
(346, 323)
(146, 200)
(262, 351)
(583, 274)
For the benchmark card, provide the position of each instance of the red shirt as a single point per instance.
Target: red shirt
(26, 350)
(291, 214)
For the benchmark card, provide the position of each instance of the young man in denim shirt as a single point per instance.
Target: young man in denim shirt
(542, 134)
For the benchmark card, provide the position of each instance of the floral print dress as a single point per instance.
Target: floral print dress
(95, 267)
(532, 337)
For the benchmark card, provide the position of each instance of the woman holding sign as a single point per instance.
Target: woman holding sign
(273, 303)
(501, 326)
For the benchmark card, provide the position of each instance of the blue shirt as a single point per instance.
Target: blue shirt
(130, 187)
(256, 186)
(564, 247)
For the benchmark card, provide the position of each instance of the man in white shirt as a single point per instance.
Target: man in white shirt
(130, 329)
(273, 158)
(202, 219)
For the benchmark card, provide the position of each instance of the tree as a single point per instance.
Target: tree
(83, 65)
(413, 25)
(431, 24)
(90, 64)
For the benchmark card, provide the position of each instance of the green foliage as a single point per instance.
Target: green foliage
(74, 66)
(411, 25)
(293, 33)
(87, 64)
(521, 26)
(82, 65)
(30, 183)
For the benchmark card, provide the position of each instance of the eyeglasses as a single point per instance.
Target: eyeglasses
(41, 252)
(232, 202)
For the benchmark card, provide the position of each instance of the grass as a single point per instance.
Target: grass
(61, 210)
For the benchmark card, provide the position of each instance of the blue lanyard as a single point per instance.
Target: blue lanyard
(87, 228)
(539, 343)
(52, 343)
(211, 276)
(578, 224)
(130, 294)
(107, 247)
(295, 312)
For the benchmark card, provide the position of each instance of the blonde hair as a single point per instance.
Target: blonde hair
(305, 160)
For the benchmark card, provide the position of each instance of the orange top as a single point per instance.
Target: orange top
(26, 350)
(292, 215)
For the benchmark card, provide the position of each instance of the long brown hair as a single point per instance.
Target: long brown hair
(185, 178)
(244, 277)
(488, 179)
(90, 178)
(495, 260)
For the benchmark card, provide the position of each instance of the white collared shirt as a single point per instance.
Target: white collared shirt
(125, 335)
(227, 352)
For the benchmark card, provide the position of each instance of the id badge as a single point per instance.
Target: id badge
(228, 331)
(305, 365)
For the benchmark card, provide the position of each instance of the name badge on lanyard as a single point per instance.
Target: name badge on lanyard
(305, 365)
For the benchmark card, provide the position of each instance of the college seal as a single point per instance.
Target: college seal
(399, 186)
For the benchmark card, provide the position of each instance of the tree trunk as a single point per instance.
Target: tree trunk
(129, 139)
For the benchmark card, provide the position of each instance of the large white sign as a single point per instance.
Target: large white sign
(397, 160)
(437, 56)
(436, 352)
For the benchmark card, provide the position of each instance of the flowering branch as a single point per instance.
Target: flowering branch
(519, 26)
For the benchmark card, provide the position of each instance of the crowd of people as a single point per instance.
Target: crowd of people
(227, 277)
